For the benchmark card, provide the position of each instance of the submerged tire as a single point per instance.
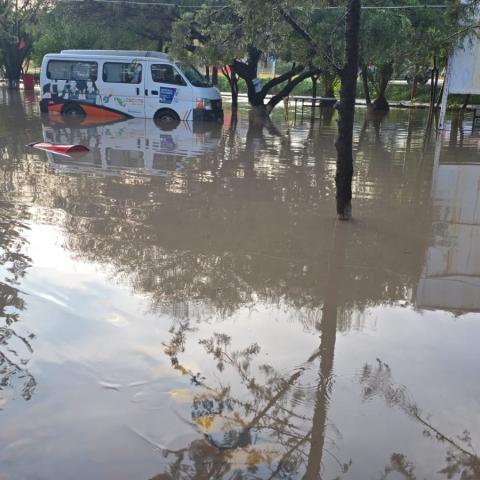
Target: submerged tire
(73, 112)
(166, 119)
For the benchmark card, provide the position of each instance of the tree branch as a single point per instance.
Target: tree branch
(463, 30)
(313, 49)
(281, 78)
(288, 88)
(242, 69)
(299, 30)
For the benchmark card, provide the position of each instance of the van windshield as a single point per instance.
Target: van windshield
(194, 76)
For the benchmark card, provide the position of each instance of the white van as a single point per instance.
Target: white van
(118, 84)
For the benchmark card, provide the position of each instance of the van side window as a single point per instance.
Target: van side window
(72, 70)
(122, 72)
(162, 73)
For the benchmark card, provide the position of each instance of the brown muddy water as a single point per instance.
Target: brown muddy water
(183, 305)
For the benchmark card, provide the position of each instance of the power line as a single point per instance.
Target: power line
(326, 7)
(392, 7)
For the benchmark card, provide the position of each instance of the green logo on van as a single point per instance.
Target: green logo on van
(120, 101)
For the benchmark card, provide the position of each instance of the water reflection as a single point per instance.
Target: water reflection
(137, 144)
(220, 323)
(461, 459)
(236, 236)
(451, 278)
(268, 428)
(15, 343)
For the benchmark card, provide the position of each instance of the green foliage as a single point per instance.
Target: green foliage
(393, 41)
(90, 24)
(219, 35)
(300, 32)
(16, 23)
(384, 36)
(405, 42)
(72, 26)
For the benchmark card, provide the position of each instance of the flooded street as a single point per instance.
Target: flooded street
(182, 304)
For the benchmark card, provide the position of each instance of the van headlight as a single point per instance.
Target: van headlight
(204, 104)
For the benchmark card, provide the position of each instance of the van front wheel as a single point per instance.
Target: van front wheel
(166, 118)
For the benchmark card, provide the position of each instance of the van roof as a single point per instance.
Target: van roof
(118, 53)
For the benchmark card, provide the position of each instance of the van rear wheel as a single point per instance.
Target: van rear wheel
(166, 119)
(73, 112)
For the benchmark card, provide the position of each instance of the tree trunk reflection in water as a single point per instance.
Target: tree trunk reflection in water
(456, 132)
(267, 408)
(328, 331)
(326, 114)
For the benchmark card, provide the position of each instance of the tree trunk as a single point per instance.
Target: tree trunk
(215, 76)
(232, 78)
(440, 97)
(328, 80)
(437, 72)
(314, 97)
(234, 92)
(286, 89)
(257, 92)
(413, 93)
(329, 84)
(253, 59)
(13, 83)
(14, 54)
(366, 87)
(346, 111)
(433, 92)
(207, 73)
(248, 72)
(385, 72)
(326, 114)
(12, 62)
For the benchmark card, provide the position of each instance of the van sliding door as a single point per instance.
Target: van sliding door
(123, 87)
